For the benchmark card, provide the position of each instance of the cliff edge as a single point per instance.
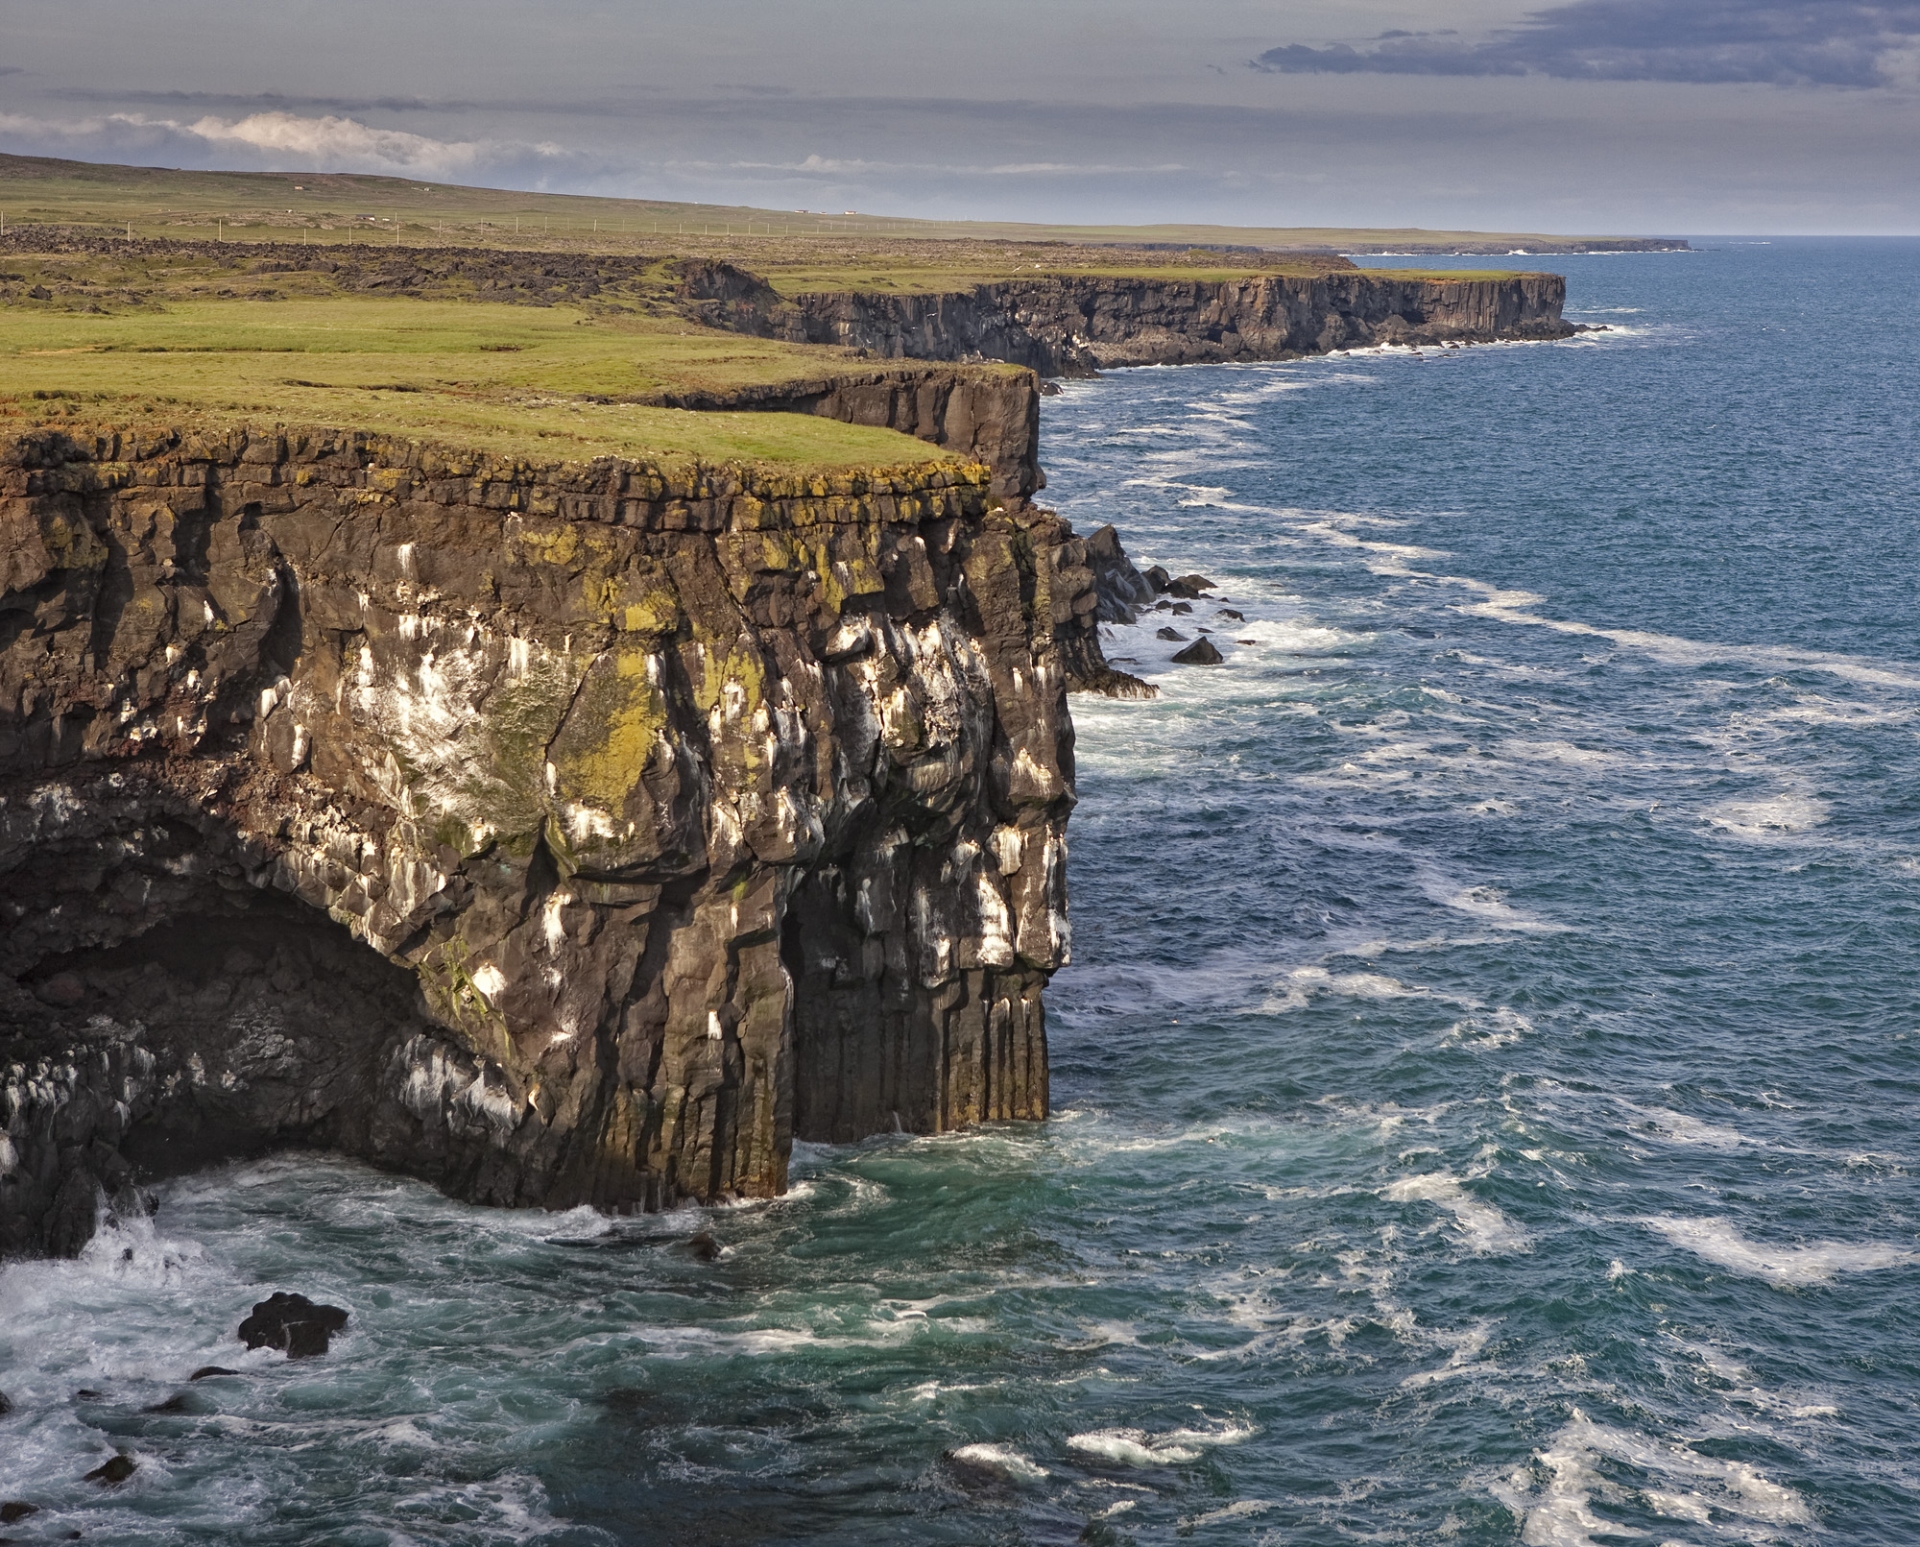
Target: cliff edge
(563, 834)
(1073, 325)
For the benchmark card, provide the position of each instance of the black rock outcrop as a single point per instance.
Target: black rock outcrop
(293, 1324)
(1202, 652)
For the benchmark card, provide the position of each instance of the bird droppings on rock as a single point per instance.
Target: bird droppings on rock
(791, 715)
(293, 1323)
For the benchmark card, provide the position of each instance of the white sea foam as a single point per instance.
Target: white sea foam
(1487, 1029)
(1679, 1128)
(1240, 1509)
(1463, 1360)
(1303, 984)
(1556, 1496)
(1130, 1447)
(1136, 1447)
(1489, 904)
(1564, 753)
(1720, 1243)
(1003, 1459)
(1487, 1230)
(1787, 812)
(1517, 607)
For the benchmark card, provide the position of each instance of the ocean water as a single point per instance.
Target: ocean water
(1488, 1083)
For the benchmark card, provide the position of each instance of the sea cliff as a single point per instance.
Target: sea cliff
(561, 830)
(1068, 325)
(559, 833)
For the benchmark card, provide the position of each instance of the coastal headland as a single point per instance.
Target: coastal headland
(564, 724)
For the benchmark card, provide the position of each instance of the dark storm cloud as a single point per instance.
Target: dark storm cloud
(1814, 42)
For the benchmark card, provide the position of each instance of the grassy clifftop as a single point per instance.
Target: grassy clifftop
(562, 368)
(339, 207)
(526, 325)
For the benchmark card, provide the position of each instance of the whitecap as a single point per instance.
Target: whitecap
(1003, 1459)
(1720, 1243)
(1486, 1228)
(1130, 1447)
(1787, 812)
(1555, 1497)
(1135, 1447)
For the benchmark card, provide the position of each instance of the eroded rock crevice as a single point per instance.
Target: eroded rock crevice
(561, 834)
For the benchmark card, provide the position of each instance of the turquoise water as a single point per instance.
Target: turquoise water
(1487, 1083)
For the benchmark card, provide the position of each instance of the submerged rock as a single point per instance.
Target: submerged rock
(1172, 634)
(208, 1371)
(177, 1403)
(293, 1323)
(1182, 608)
(6, 1404)
(15, 1510)
(1202, 652)
(115, 1470)
(704, 1246)
(1228, 612)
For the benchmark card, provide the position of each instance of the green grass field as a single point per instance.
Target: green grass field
(561, 355)
(332, 207)
(552, 383)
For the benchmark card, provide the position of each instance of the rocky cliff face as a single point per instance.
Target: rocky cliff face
(990, 415)
(561, 834)
(1065, 326)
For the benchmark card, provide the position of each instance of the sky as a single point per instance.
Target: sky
(1627, 117)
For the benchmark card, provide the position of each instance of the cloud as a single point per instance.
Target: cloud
(277, 141)
(274, 101)
(338, 144)
(1811, 43)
